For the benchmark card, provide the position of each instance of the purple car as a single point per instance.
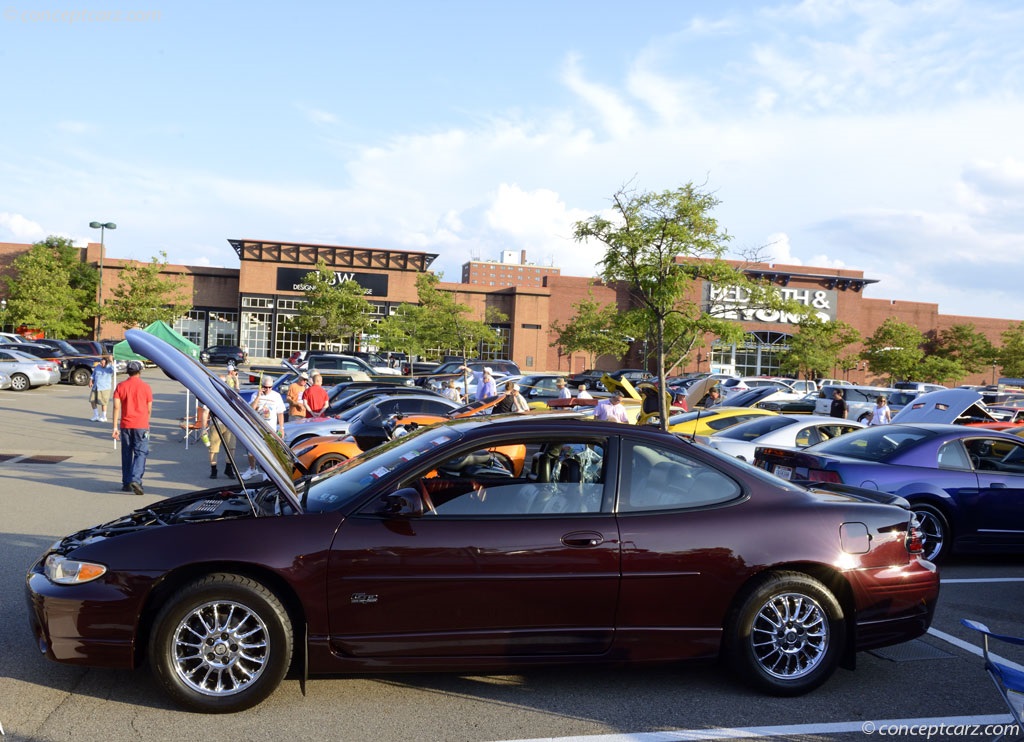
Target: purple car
(964, 482)
(604, 543)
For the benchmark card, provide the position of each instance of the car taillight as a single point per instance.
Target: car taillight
(914, 542)
(821, 475)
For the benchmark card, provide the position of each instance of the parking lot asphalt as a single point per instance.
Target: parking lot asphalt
(60, 472)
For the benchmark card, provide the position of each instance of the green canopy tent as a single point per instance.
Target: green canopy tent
(123, 352)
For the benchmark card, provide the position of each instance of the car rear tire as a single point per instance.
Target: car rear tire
(328, 461)
(935, 531)
(20, 382)
(221, 644)
(787, 635)
(80, 376)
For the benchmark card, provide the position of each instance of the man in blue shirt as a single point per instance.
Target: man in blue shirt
(100, 383)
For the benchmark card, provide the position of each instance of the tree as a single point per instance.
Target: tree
(1011, 355)
(939, 370)
(894, 350)
(52, 289)
(444, 323)
(142, 296)
(332, 312)
(962, 343)
(591, 330)
(662, 246)
(817, 347)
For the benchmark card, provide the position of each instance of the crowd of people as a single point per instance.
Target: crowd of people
(305, 397)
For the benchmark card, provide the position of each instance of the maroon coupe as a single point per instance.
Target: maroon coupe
(617, 543)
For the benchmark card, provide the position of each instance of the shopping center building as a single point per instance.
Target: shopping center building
(247, 306)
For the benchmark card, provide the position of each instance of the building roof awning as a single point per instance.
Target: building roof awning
(334, 256)
(830, 280)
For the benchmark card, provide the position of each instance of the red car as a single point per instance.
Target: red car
(616, 543)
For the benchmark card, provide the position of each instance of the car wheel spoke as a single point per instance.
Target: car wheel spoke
(220, 648)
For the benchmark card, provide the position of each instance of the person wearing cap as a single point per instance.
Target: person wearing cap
(133, 406)
(315, 398)
(563, 391)
(296, 407)
(216, 435)
(612, 409)
(269, 407)
(582, 393)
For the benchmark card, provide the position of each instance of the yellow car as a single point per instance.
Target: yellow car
(710, 421)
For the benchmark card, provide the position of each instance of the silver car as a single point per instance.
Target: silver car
(27, 371)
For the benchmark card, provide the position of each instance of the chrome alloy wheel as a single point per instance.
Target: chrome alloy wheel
(790, 635)
(220, 647)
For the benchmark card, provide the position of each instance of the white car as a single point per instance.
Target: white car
(786, 431)
(25, 371)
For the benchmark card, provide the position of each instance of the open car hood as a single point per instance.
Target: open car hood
(951, 406)
(272, 455)
(696, 392)
(623, 386)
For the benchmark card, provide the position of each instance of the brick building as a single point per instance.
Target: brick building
(247, 306)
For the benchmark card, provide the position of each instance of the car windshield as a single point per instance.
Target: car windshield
(65, 347)
(754, 429)
(878, 443)
(346, 482)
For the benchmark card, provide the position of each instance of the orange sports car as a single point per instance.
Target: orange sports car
(373, 427)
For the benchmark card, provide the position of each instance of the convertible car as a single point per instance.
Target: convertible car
(616, 543)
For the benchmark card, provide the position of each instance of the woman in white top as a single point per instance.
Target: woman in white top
(881, 415)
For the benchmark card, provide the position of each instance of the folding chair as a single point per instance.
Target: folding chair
(191, 430)
(1008, 677)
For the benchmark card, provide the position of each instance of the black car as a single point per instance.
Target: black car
(591, 377)
(223, 354)
(74, 368)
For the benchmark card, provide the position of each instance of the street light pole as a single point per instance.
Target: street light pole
(102, 227)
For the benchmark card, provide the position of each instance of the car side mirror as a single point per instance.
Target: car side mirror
(406, 503)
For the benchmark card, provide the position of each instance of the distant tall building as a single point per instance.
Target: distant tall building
(507, 272)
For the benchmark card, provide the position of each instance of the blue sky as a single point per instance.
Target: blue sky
(879, 136)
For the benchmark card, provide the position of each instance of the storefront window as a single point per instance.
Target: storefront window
(192, 325)
(223, 329)
(756, 356)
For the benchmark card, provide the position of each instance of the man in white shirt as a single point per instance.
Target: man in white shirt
(270, 408)
(612, 409)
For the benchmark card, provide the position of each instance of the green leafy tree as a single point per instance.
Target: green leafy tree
(51, 289)
(1011, 355)
(662, 246)
(445, 323)
(894, 350)
(592, 329)
(400, 330)
(962, 343)
(144, 295)
(818, 347)
(332, 312)
(939, 370)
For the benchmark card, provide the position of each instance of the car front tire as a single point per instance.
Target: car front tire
(221, 644)
(80, 376)
(787, 635)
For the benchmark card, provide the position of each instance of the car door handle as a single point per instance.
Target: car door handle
(583, 539)
(998, 486)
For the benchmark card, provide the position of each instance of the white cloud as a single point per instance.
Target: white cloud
(21, 229)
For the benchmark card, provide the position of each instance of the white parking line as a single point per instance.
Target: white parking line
(790, 730)
(967, 581)
(975, 650)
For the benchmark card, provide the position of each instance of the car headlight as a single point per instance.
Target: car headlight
(63, 571)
